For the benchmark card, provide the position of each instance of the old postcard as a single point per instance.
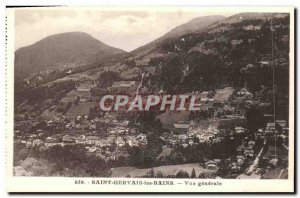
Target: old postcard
(150, 99)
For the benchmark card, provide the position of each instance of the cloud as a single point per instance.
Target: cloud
(126, 30)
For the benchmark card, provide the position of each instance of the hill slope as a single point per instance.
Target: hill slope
(195, 25)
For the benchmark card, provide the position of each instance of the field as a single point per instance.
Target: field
(49, 115)
(165, 170)
(81, 109)
(222, 95)
(165, 152)
(169, 118)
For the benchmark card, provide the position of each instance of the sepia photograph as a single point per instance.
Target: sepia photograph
(174, 96)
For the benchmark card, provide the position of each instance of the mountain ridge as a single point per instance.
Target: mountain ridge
(185, 28)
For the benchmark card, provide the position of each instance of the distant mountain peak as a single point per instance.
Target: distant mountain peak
(69, 49)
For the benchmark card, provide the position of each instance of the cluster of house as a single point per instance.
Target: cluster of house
(270, 131)
(235, 166)
(246, 149)
(245, 93)
(236, 42)
(267, 60)
(213, 164)
(186, 134)
(210, 135)
(108, 154)
(213, 135)
(252, 27)
(117, 135)
(123, 136)
(177, 139)
(87, 140)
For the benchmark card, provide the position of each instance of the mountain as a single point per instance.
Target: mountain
(61, 50)
(193, 26)
(226, 52)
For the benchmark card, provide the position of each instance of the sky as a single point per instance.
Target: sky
(126, 29)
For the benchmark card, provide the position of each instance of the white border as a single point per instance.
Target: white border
(65, 184)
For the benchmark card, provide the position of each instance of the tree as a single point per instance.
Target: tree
(159, 174)
(92, 113)
(202, 176)
(23, 153)
(76, 102)
(107, 78)
(137, 157)
(182, 174)
(255, 119)
(151, 173)
(193, 175)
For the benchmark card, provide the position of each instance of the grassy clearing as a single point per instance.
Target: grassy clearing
(81, 109)
(165, 170)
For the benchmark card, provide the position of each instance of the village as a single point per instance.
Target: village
(222, 116)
